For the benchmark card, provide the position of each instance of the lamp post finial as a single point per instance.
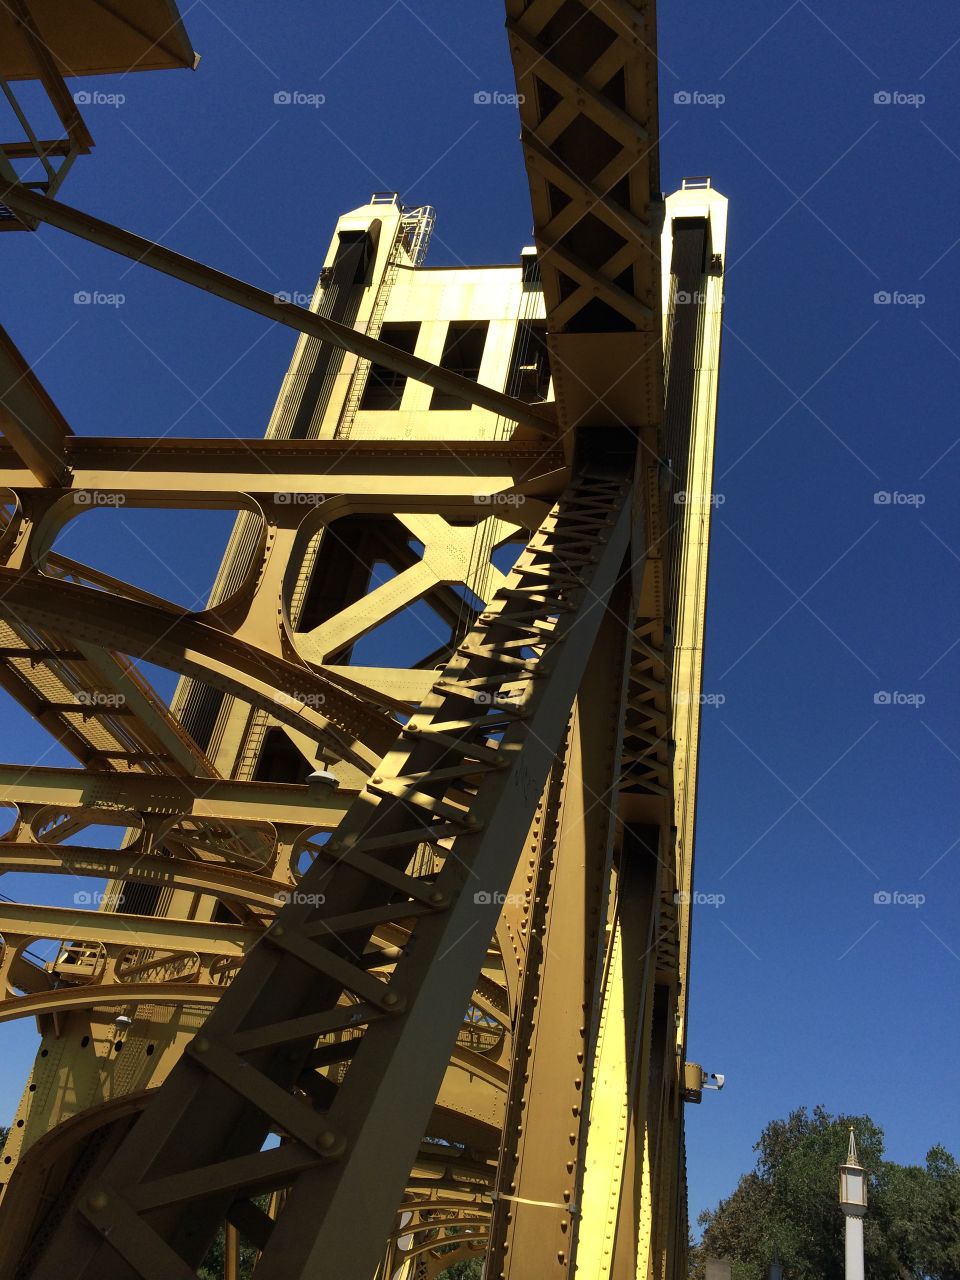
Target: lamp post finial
(852, 1157)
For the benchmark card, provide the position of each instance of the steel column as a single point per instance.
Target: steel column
(541, 1163)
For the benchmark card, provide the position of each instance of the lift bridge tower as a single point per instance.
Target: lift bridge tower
(391, 967)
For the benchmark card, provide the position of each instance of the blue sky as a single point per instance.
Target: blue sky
(814, 796)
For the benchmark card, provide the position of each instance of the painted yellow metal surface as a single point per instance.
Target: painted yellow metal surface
(477, 928)
(85, 38)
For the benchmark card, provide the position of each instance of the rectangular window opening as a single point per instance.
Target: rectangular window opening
(462, 353)
(384, 388)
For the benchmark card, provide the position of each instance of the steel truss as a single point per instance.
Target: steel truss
(454, 991)
(459, 780)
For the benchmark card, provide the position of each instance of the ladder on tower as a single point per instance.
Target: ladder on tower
(409, 248)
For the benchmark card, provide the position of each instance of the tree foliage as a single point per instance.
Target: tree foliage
(212, 1266)
(787, 1207)
(467, 1269)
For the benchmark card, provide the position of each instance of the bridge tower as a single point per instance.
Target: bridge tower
(392, 967)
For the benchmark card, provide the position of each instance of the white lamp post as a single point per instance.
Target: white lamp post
(853, 1202)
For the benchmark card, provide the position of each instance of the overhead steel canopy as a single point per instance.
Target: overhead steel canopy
(586, 75)
(91, 37)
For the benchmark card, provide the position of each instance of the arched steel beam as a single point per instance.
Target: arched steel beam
(202, 877)
(66, 999)
(175, 638)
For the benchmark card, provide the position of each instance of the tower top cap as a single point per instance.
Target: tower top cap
(852, 1157)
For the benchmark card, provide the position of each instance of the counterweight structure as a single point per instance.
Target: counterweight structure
(391, 970)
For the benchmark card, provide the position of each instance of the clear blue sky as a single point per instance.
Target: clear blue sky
(813, 796)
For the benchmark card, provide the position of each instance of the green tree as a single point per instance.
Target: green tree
(787, 1206)
(212, 1266)
(469, 1269)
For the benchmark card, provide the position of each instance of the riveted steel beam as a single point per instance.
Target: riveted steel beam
(160, 870)
(210, 798)
(161, 932)
(213, 471)
(62, 1000)
(541, 1164)
(29, 420)
(608, 1227)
